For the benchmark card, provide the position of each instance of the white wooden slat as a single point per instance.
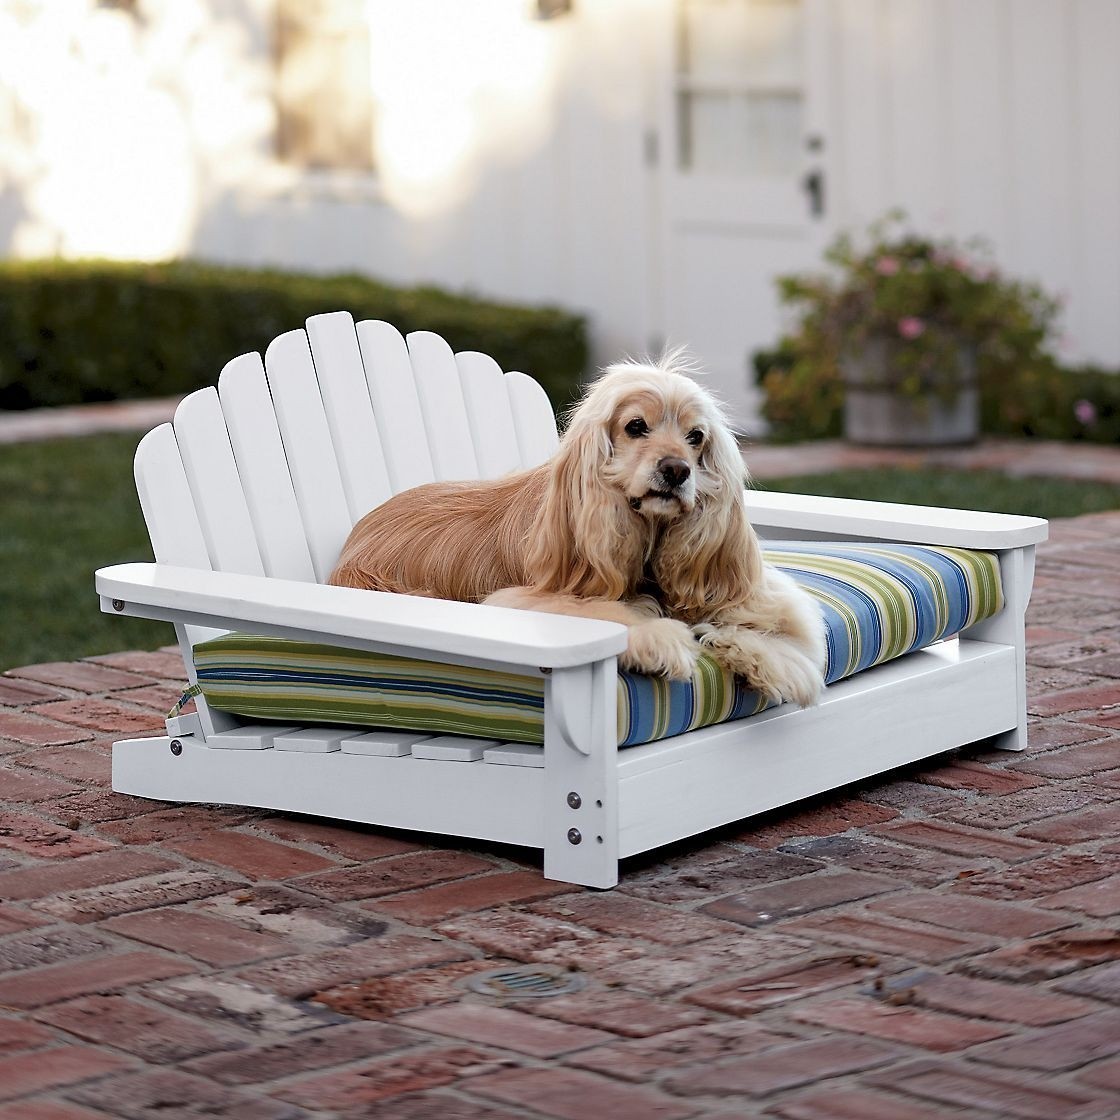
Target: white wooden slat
(313, 740)
(342, 384)
(396, 405)
(308, 448)
(443, 407)
(249, 737)
(533, 419)
(390, 744)
(515, 754)
(452, 748)
(489, 415)
(200, 431)
(167, 502)
(259, 454)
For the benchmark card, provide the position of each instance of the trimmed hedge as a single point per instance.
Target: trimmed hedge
(72, 332)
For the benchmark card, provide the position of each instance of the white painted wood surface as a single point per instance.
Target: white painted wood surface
(533, 419)
(441, 403)
(489, 415)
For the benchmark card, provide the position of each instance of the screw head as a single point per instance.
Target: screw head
(118, 604)
(176, 747)
(574, 836)
(574, 800)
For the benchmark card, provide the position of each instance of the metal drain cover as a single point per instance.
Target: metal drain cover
(531, 981)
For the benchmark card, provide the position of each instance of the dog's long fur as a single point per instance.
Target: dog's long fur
(638, 518)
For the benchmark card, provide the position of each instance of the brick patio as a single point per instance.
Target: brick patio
(942, 942)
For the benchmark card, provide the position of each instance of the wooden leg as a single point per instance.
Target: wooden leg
(581, 775)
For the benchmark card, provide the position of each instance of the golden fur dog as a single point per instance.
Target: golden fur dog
(638, 518)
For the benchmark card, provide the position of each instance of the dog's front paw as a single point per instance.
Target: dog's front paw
(661, 646)
(771, 664)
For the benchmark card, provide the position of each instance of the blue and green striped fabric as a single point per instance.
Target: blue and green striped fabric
(878, 602)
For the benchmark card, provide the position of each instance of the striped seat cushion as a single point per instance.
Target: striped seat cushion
(878, 602)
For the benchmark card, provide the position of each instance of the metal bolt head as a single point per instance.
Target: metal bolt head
(574, 836)
(176, 747)
(118, 604)
(574, 800)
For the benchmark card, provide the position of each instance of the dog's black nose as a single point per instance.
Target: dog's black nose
(673, 471)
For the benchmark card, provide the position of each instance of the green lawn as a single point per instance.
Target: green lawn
(69, 506)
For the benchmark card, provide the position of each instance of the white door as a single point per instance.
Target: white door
(741, 176)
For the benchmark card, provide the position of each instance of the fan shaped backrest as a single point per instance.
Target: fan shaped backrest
(267, 473)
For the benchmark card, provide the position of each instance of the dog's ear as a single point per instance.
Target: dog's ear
(584, 541)
(711, 558)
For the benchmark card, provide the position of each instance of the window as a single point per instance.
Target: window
(323, 91)
(739, 86)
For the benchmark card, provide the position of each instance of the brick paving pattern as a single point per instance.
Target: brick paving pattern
(942, 941)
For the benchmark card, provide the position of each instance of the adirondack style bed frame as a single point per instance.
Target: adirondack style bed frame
(250, 494)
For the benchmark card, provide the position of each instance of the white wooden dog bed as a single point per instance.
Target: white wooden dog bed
(248, 498)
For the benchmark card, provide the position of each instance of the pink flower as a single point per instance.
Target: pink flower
(1086, 412)
(911, 327)
(886, 266)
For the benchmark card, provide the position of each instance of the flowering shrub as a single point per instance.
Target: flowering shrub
(925, 300)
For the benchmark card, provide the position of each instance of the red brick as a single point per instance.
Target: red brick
(978, 777)
(1038, 877)
(14, 919)
(80, 676)
(48, 1110)
(82, 764)
(213, 940)
(532, 937)
(42, 1070)
(35, 837)
(620, 916)
(623, 1013)
(108, 901)
(310, 1050)
(1099, 719)
(763, 905)
(862, 1104)
(432, 904)
(1097, 822)
(17, 785)
(784, 1067)
(571, 1095)
(349, 842)
(1084, 1040)
(972, 915)
(17, 1035)
(820, 820)
(253, 856)
(16, 693)
(1099, 900)
(1103, 1075)
(389, 876)
(159, 698)
(1044, 958)
(303, 976)
(137, 1028)
(507, 1028)
(88, 871)
(914, 1026)
(757, 991)
(1090, 698)
(1100, 983)
(107, 716)
(1077, 762)
(1020, 808)
(868, 934)
(175, 1096)
(436, 1105)
(907, 795)
(34, 731)
(909, 865)
(173, 824)
(50, 946)
(642, 1059)
(967, 1085)
(381, 997)
(986, 999)
(155, 664)
(414, 1071)
(52, 984)
(958, 840)
(93, 806)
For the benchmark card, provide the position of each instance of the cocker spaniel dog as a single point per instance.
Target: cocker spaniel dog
(638, 518)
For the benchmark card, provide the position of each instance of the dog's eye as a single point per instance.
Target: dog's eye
(637, 428)
(695, 437)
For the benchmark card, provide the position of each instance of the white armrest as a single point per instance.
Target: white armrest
(848, 517)
(345, 616)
